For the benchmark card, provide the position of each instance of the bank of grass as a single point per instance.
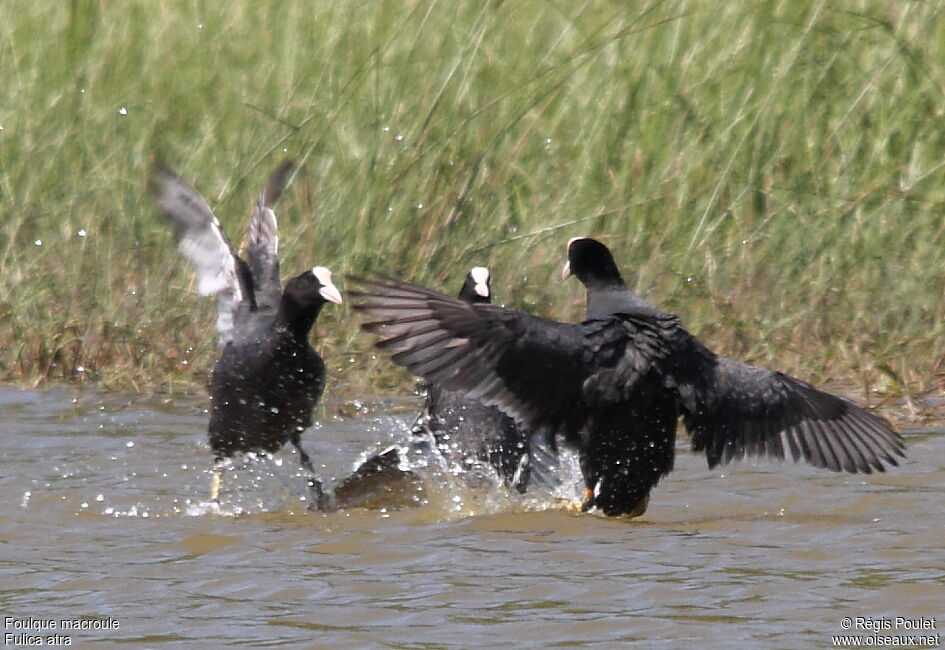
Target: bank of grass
(771, 171)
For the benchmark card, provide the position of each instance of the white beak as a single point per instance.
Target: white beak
(328, 291)
(480, 276)
(566, 271)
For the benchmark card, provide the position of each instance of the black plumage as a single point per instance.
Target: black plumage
(268, 378)
(464, 432)
(615, 385)
(467, 431)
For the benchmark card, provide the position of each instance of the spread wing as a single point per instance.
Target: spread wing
(203, 243)
(563, 377)
(527, 366)
(262, 240)
(734, 410)
(542, 373)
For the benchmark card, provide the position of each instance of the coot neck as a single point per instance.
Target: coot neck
(604, 296)
(297, 319)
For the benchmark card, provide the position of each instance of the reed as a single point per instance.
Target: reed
(772, 171)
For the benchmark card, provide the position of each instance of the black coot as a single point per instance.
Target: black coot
(268, 379)
(467, 431)
(615, 385)
(464, 432)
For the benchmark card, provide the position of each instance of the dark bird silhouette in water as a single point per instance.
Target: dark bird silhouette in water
(615, 385)
(268, 378)
(467, 431)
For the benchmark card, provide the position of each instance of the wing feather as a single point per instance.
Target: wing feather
(203, 243)
(262, 240)
(733, 410)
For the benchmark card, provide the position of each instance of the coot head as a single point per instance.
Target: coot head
(313, 287)
(304, 296)
(477, 287)
(592, 263)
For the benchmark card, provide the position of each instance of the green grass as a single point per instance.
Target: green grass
(772, 171)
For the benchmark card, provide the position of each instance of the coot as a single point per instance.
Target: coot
(268, 378)
(464, 433)
(615, 385)
(468, 432)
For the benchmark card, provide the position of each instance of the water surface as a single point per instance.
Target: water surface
(104, 519)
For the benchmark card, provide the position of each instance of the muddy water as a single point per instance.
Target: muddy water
(104, 524)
